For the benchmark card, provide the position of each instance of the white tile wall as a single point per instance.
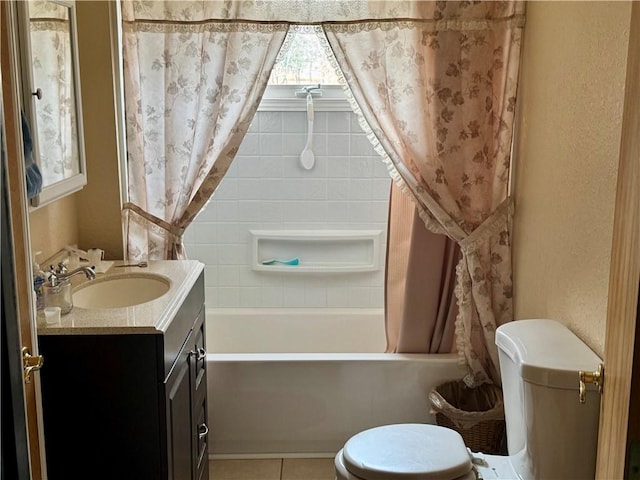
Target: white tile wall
(266, 188)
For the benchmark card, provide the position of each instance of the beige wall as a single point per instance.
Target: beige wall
(52, 227)
(571, 94)
(98, 203)
(91, 217)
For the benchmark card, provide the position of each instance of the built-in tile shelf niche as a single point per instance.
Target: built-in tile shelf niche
(316, 251)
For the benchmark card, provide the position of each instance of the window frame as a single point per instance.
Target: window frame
(289, 98)
(292, 98)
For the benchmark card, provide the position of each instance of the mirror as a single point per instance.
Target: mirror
(51, 89)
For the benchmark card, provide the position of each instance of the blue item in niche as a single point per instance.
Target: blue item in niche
(293, 261)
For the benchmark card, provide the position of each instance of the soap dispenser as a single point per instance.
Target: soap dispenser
(39, 278)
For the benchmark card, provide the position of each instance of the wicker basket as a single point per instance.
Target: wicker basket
(475, 413)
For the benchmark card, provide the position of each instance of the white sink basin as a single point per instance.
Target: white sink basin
(120, 291)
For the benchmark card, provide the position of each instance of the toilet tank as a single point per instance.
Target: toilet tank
(550, 434)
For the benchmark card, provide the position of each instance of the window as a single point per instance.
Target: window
(302, 62)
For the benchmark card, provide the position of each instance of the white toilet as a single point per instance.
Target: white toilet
(550, 434)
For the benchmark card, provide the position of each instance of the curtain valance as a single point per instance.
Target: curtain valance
(463, 15)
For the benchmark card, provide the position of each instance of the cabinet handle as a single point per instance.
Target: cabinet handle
(203, 431)
(200, 354)
(37, 93)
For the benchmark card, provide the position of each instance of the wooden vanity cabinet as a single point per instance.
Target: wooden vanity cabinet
(128, 405)
(185, 402)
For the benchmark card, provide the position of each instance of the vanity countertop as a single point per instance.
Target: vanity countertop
(150, 317)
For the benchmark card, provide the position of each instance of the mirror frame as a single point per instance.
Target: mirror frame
(75, 182)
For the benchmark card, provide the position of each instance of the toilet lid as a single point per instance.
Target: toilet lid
(407, 451)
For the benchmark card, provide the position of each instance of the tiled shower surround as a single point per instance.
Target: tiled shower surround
(267, 189)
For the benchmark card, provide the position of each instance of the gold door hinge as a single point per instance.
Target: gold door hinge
(30, 363)
(596, 378)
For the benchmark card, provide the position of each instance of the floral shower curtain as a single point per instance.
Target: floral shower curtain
(49, 29)
(192, 85)
(438, 90)
(435, 82)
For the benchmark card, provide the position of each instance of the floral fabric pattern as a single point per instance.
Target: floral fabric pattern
(317, 11)
(52, 67)
(439, 97)
(191, 91)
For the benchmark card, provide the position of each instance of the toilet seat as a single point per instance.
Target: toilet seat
(405, 451)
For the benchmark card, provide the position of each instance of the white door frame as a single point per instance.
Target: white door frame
(623, 279)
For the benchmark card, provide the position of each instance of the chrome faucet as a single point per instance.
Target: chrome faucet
(57, 290)
(61, 275)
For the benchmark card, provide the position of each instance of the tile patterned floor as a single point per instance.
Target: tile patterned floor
(272, 469)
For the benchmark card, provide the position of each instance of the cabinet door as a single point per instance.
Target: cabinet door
(199, 405)
(186, 401)
(178, 390)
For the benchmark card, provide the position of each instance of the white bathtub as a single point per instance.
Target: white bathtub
(266, 401)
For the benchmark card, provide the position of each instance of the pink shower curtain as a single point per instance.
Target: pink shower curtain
(420, 303)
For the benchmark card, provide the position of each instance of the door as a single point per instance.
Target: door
(16, 255)
(632, 464)
(620, 402)
(15, 447)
